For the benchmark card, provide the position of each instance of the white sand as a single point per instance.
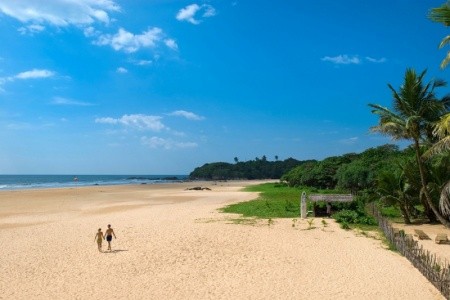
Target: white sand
(173, 244)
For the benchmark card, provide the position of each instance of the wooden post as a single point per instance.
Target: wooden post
(303, 206)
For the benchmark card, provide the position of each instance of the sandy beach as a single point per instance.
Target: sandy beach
(172, 243)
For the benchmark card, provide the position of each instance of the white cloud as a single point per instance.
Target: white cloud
(186, 114)
(144, 62)
(157, 142)
(31, 29)
(136, 121)
(32, 74)
(129, 42)
(121, 70)
(209, 11)
(188, 13)
(171, 44)
(349, 141)
(85, 15)
(59, 12)
(69, 102)
(343, 59)
(376, 60)
(35, 73)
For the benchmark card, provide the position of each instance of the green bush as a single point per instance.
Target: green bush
(346, 216)
(353, 217)
(367, 220)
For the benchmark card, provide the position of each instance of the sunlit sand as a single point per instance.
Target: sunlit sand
(172, 243)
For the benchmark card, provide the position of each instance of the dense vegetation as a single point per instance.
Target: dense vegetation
(260, 168)
(281, 201)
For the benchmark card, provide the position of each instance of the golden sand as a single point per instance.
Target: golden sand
(172, 243)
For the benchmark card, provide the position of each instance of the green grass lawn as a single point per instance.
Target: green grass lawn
(275, 201)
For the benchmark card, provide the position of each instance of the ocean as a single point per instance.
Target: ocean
(20, 182)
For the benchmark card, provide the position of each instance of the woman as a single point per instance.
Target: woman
(99, 236)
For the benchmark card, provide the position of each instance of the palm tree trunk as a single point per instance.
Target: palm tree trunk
(428, 199)
(405, 213)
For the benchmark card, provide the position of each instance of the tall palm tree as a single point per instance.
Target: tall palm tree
(442, 15)
(415, 108)
(442, 146)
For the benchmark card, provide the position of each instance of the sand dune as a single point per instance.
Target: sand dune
(173, 244)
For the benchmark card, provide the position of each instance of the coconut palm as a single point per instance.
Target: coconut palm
(394, 189)
(442, 15)
(442, 147)
(415, 108)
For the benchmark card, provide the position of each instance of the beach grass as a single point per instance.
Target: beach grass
(274, 201)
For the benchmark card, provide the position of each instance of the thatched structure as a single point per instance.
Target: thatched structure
(328, 198)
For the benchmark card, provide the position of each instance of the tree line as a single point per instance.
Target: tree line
(259, 168)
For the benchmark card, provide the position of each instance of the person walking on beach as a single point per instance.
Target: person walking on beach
(99, 236)
(109, 234)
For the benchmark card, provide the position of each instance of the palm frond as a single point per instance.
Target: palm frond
(446, 60)
(439, 147)
(444, 41)
(440, 14)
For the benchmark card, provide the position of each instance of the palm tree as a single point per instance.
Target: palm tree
(393, 187)
(442, 146)
(442, 15)
(415, 109)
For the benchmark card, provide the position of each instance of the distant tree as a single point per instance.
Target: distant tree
(276, 157)
(264, 158)
(236, 160)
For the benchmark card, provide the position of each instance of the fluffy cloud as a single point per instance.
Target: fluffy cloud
(189, 12)
(343, 59)
(35, 73)
(171, 44)
(32, 74)
(121, 70)
(84, 14)
(59, 12)
(31, 29)
(137, 121)
(186, 114)
(129, 42)
(157, 142)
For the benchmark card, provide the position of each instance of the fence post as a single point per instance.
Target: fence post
(303, 205)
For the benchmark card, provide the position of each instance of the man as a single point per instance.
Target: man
(109, 234)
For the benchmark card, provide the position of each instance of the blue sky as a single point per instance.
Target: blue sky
(164, 86)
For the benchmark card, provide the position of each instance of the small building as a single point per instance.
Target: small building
(328, 199)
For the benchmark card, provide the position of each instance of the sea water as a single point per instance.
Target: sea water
(19, 182)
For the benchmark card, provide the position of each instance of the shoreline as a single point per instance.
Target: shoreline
(156, 183)
(172, 243)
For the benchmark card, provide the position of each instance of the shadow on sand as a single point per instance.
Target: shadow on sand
(114, 251)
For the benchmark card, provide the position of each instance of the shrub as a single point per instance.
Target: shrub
(344, 225)
(346, 216)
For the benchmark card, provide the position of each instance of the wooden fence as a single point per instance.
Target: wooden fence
(435, 270)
